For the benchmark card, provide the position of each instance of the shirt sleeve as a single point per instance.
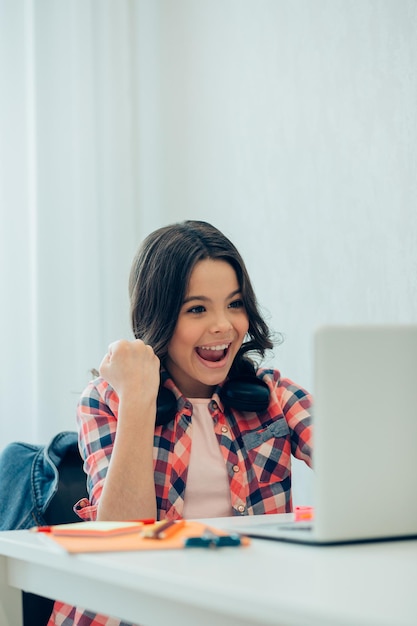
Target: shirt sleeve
(97, 421)
(297, 406)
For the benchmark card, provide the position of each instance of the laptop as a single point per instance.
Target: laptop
(365, 440)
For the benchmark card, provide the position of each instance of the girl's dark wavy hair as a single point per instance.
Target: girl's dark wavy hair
(159, 279)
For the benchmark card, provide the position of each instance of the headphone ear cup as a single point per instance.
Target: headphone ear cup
(166, 406)
(246, 393)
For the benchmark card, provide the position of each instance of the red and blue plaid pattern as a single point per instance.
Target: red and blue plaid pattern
(256, 448)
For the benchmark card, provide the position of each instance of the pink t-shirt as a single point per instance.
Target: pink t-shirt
(208, 491)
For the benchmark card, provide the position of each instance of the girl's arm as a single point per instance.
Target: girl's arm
(297, 406)
(119, 460)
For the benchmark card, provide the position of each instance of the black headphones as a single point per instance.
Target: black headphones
(243, 393)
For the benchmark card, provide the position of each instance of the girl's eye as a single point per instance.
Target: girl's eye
(236, 304)
(196, 309)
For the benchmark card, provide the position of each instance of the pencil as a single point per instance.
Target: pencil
(163, 529)
(172, 529)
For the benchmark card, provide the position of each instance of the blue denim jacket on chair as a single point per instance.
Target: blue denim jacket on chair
(29, 479)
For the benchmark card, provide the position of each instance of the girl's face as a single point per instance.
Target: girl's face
(210, 329)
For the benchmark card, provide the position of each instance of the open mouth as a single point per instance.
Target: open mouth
(213, 353)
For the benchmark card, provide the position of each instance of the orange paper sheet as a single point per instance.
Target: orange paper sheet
(133, 541)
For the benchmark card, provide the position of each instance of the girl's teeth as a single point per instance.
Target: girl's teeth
(212, 353)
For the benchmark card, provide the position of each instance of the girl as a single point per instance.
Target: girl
(180, 424)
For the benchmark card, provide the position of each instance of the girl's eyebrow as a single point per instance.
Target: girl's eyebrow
(205, 299)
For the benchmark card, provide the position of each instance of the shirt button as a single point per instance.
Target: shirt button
(235, 468)
(225, 429)
(241, 508)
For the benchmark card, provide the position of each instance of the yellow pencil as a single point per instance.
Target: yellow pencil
(163, 529)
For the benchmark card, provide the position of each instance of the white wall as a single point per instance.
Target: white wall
(289, 124)
(292, 125)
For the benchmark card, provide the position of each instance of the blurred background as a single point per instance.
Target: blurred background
(289, 124)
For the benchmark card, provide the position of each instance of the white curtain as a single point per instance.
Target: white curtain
(69, 194)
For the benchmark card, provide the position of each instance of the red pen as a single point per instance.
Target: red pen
(41, 529)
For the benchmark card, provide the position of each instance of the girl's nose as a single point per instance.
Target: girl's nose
(221, 324)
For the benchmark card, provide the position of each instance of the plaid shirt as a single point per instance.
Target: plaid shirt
(256, 448)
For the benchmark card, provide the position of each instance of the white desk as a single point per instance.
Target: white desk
(267, 583)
